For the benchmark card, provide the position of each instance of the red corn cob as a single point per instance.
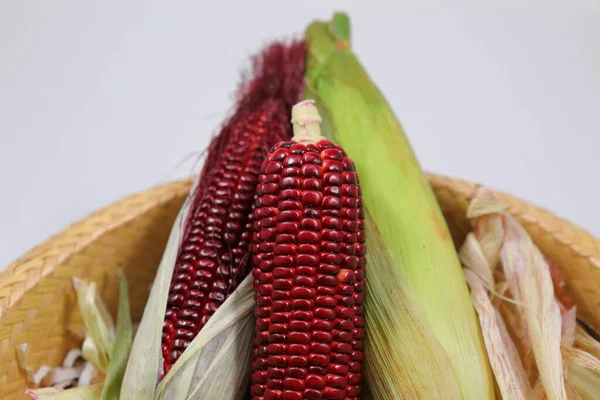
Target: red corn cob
(308, 254)
(212, 257)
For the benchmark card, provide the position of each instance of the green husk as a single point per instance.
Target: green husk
(98, 324)
(121, 347)
(403, 356)
(402, 204)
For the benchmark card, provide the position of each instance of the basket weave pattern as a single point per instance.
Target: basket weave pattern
(37, 301)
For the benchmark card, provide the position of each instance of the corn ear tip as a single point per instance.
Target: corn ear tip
(340, 26)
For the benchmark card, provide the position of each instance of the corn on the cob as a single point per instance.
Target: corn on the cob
(308, 254)
(212, 257)
(404, 209)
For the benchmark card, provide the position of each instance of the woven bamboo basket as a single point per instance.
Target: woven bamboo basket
(37, 301)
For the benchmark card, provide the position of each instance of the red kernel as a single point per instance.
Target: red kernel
(302, 315)
(300, 326)
(311, 184)
(324, 313)
(303, 292)
(298, 361)
(332, 222)
(293, 384)
(320, 360)
(302, 304)
(322, 336)
(325, 301)
(299, 337)
(312, 394)
(329, 179)
(312, 158)
(319, 348)
(311, 198)
(298, 349)
(308, 237)
(310, 171)
(332, 153)
(299, 373)
(315, 381)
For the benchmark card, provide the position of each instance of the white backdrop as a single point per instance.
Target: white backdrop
(101, 99)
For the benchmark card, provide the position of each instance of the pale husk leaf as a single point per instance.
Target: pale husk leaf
(484, 203)
(91, 392)
(98, 324)
(530, 282)
(238, 347)
(499, 293)
(489, 231)
(488, 225)
(472, 256)
(568, 326)
(503, 355)
(583, 372)
(405, 360)
(231, 328)
(585, 342)
(543, 326)
(512, 314)
(585, 381)
(582, 358)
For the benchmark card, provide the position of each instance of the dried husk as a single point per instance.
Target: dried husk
(568, 326)
(90, 392)
(209, 355)
(586, 342)
(584, 381)
(530, 283)
(504, 358)
(206, 368)
(559, 357)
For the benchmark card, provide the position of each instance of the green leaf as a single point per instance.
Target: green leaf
(121, 347)
(97, 322)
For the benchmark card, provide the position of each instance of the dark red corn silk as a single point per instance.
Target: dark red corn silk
(213, 258)
(308, 257)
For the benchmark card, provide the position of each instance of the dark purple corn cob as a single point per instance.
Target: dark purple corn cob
(213, 257)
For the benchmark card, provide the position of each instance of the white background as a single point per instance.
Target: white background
(100, 99)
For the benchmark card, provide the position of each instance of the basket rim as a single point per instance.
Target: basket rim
(578, 239)
(41, 260)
